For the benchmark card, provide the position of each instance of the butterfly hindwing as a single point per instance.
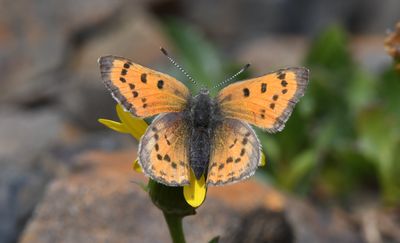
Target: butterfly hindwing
(163, 150)
(235, 153)
(140, 90)
(266, 101)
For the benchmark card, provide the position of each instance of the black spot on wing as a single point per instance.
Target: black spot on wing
(246, 92)
(167, 158)
(160, 84)
(282, 75)
(166, 139)
(143, 78)
(272, 106)
(263, 87)
(173, 165)
(233, 144)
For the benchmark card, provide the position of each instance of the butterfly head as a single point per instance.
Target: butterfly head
(204, 91)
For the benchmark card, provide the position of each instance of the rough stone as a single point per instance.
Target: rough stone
(101, 202)
(24, 136)
(134, 35)
(232, 22)
(37, 41)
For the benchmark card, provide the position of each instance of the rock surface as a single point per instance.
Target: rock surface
(48, 54)
(24, 138)
(100, 202)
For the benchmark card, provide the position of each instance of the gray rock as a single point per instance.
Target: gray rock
(232, 22)
(24, 137)
(100, 203)
(36, 37)
(267, 54)
(134, 35)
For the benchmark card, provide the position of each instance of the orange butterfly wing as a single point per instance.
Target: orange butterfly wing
(266, 101)
(140, 90)
(163, 153)
(235, 155)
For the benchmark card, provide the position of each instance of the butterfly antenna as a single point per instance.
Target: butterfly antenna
(178, 66)
(232, 77)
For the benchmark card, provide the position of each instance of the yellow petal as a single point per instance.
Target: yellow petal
(116, 126)
(136, 166)
(195, 192)
(262, 163)
(135, 125)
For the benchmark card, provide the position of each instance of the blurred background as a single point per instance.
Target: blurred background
(331, 175)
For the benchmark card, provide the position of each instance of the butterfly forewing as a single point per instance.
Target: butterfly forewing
(140, 90)
(266, 101)
(163, 150)
(235, 153)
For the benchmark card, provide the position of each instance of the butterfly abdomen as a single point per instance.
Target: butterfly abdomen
(199, 151)
(201, 116)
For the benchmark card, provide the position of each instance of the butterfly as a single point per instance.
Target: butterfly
(210, 135)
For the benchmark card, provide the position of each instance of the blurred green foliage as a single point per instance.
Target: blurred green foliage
(199, 58)
(343, 138)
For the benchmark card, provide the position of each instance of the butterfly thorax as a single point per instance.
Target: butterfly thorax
(203, 121)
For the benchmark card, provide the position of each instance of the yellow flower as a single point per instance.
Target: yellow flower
(129, 124)
(195, 192)
(262, 159)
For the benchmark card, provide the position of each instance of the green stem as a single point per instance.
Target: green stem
(175, 227)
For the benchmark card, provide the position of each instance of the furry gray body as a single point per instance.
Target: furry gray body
(202, 116)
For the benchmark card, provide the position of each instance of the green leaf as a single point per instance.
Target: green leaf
(330, 50)
(388, 91)
(361, 90)
(169, 199)
(302, 166)
(380, 140)
(214, 240)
